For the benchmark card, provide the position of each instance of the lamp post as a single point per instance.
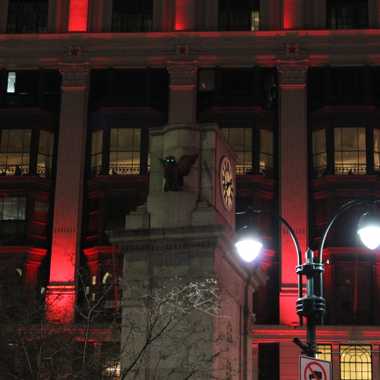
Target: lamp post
(312, 305)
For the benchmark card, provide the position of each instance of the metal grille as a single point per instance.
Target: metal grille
(355, 362)
(324, 352)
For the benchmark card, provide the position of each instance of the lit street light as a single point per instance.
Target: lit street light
(312, 305)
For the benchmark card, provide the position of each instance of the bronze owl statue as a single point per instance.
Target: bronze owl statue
(175, 171)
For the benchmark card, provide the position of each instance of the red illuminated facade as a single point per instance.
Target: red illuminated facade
(293, 84)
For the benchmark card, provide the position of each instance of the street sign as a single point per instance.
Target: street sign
(314, 369)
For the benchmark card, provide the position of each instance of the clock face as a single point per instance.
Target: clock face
(227, 185)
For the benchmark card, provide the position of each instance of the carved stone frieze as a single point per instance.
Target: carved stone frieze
(74, 74)
(182, 72)
(292, 73)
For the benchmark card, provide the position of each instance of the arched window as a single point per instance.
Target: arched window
(355, 362)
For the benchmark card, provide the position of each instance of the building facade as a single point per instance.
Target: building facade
(294, 86)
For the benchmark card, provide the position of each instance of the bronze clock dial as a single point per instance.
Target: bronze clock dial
(227, 185)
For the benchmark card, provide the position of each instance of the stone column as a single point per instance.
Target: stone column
(98, 12)
(184, 14)
(293, 14)
(270, 15)
(335, 360)
(255, 361)
(61, 295)
(293, 180)
(3, 15)
(289, 361)
(183, 92)
(163, 15)
(374, 13)
(58, 17)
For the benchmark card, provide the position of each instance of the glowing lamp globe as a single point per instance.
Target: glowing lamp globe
(369, 230)
(248, 248)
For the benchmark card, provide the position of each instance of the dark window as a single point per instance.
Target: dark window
(30, 88)
(15, 151)
(97, 152)
(347, 14)
(269, 361)
(118, 151)
(13, 208)
(12, 220)
(130, 88)
(132, 15)
(240, 140)
(236, 88)
(337, 86)
(19, 156)
(350, 150)
(27, 16)
(125, 151)
(239, 15)
(45, 153)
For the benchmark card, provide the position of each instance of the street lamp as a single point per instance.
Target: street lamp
(312, 305)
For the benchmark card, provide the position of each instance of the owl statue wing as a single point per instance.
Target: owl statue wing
(185, 164)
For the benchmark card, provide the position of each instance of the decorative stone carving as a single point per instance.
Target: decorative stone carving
(182, 72)
(292, 74)
(74, 75)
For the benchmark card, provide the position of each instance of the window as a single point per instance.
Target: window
(319, 152)
(27, 16)
(12, 208)
(132, 15)
(45, 153)
(239, 15)
(11, 83)
(240, 140)
(347, 14)
(14, 151)
(324, 352)
(355, 362)
(125, 151)
(350, 150)
(97, 152)
(266, 152)
(376, 149)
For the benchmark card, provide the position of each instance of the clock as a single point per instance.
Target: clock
(227, 186)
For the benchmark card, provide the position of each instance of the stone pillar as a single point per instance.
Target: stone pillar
(163, 15)
(293, 180)
(58, 17)
(184, 14)
(375, 361)
(206, 15)
(374, 13)
(61, 296)
(3, 15)
(98, 12)
(255, 361)
(78, 15)
(270, 15)
(293, 14)
(289, 361)
(32, 266)
(183, 92)
(335, 360)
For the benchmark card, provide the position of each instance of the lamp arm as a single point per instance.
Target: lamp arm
(346, 206)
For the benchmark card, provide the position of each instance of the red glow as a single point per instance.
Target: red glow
(78, 15)
(60, 303)
(290, 9)
(182, 15)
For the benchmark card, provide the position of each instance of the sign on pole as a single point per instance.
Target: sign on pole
(314, 369)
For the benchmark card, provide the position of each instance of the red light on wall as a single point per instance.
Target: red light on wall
(60, 304)
(183, 15)
(290, 9)
(78, 15)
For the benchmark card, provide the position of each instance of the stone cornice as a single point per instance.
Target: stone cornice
(207, 48)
